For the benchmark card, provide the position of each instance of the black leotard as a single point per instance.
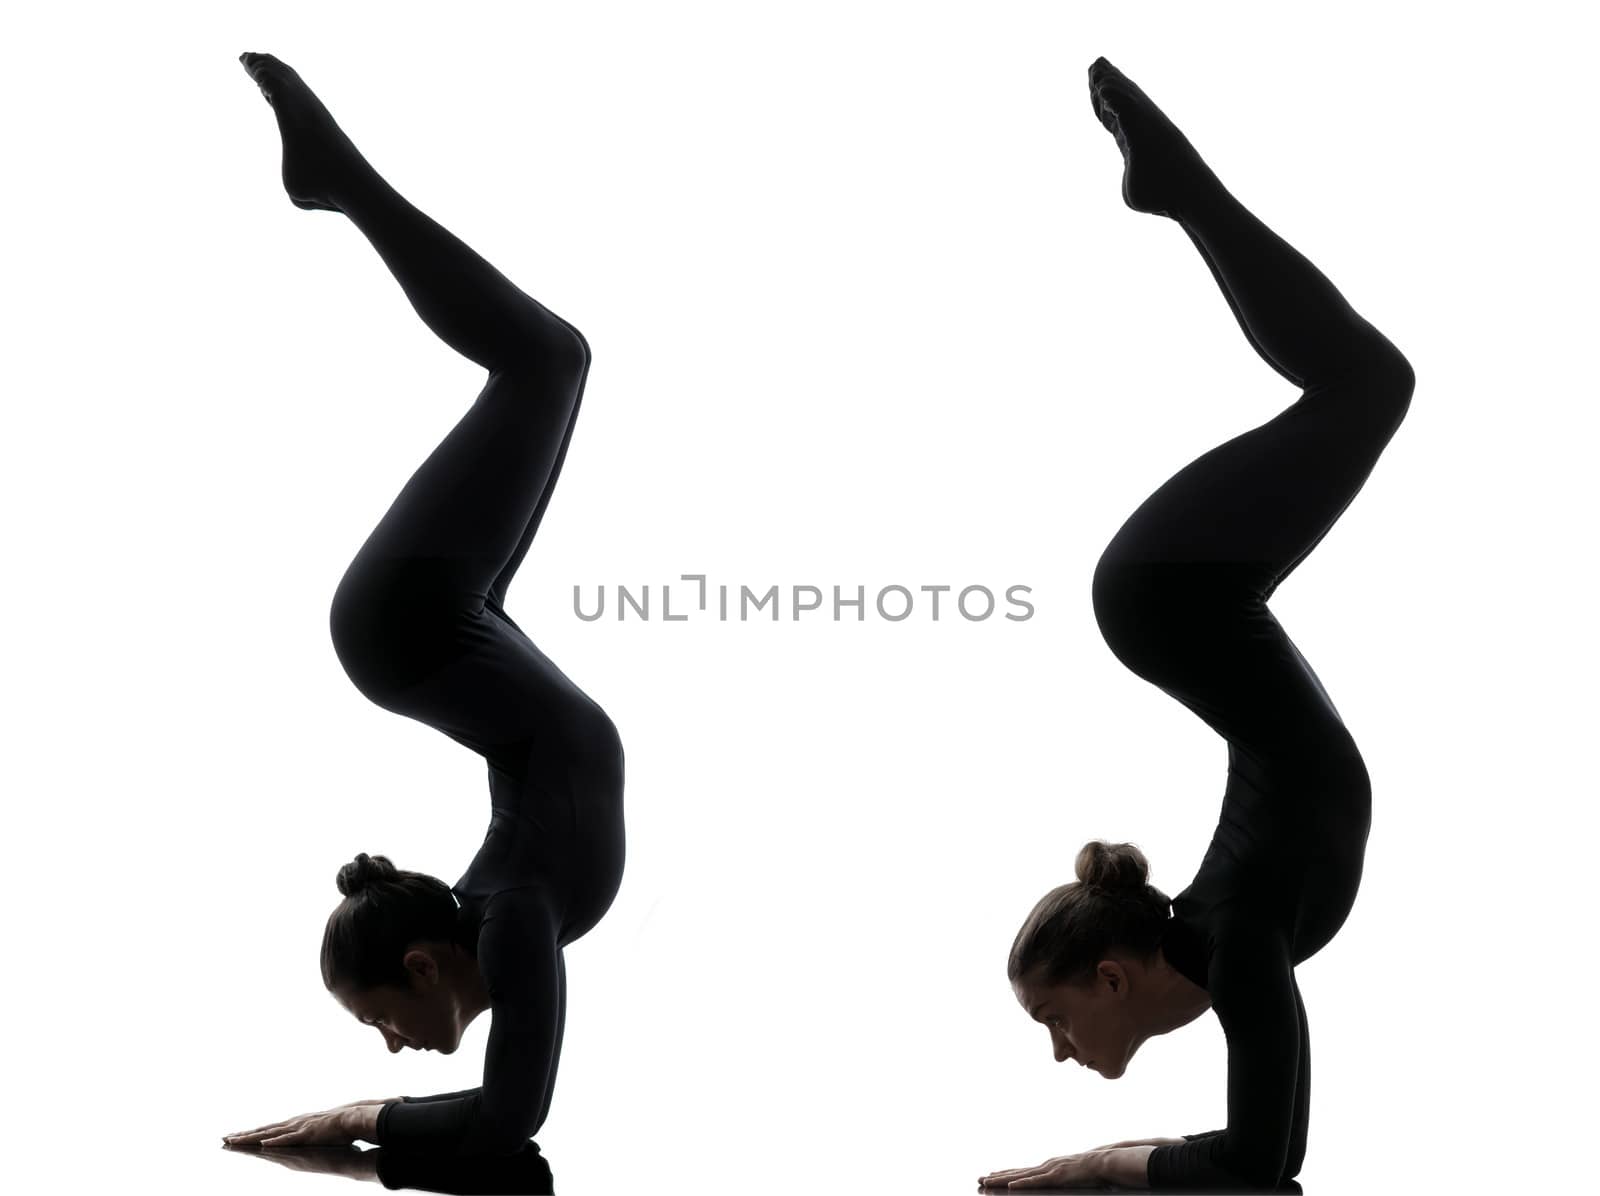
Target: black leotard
(419, 625)
(1180, 595)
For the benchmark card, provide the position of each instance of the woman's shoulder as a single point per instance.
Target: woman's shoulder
(1250, 965)
(518, 904)
(1239, 918)
(517, 940)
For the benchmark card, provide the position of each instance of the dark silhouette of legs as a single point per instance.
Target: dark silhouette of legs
(1180, 592)
(455, 535)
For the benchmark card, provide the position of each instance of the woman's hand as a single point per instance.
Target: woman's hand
(331, 1127)
(1121, 1166)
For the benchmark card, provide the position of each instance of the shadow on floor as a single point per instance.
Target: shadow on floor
(525, 1173)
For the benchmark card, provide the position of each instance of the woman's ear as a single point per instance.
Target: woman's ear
(1111, 974)
(421, 964)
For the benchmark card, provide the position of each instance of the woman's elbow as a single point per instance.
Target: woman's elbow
(497, 1138)
(1259, 1171)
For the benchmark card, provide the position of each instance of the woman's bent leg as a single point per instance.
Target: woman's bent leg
(1180, 591)
(438, 551)
(456, 533)
(1267, 497)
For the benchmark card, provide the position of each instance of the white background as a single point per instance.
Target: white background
(866, 309)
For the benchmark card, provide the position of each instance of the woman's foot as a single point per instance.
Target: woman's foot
(1162, 173)
(320, 163)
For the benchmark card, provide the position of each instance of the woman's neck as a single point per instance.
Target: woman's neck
(472, 995)
(1175, 1000)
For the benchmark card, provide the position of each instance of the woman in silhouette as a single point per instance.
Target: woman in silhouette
(1180, 595)
(419, 624)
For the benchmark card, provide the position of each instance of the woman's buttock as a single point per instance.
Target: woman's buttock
(1174, 622)
(1202, 634)
(396, 622)
(414, 644)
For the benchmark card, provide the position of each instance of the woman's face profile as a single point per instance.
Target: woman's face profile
(1087, 1022)
(418, 1016)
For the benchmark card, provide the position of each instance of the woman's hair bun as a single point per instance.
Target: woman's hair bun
(1113, 867)
(363, 871)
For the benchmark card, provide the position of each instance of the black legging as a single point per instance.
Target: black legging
(1181, 591)
(427, 589)
(1181, 594)
(419, 624)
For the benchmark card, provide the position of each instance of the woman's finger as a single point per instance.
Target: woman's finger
(270, 1126)
(266, 1129)
(1054, 1177)
(1003, 1177)
(1018, 1172)
(260, 1129)
(258, 1137)
(1007, 1178)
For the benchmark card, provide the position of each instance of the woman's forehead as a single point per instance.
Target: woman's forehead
(361, 1004)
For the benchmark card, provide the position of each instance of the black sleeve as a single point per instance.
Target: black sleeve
(422, 1100)
(521, 964)
(1300, 1122)
(1255, 997)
